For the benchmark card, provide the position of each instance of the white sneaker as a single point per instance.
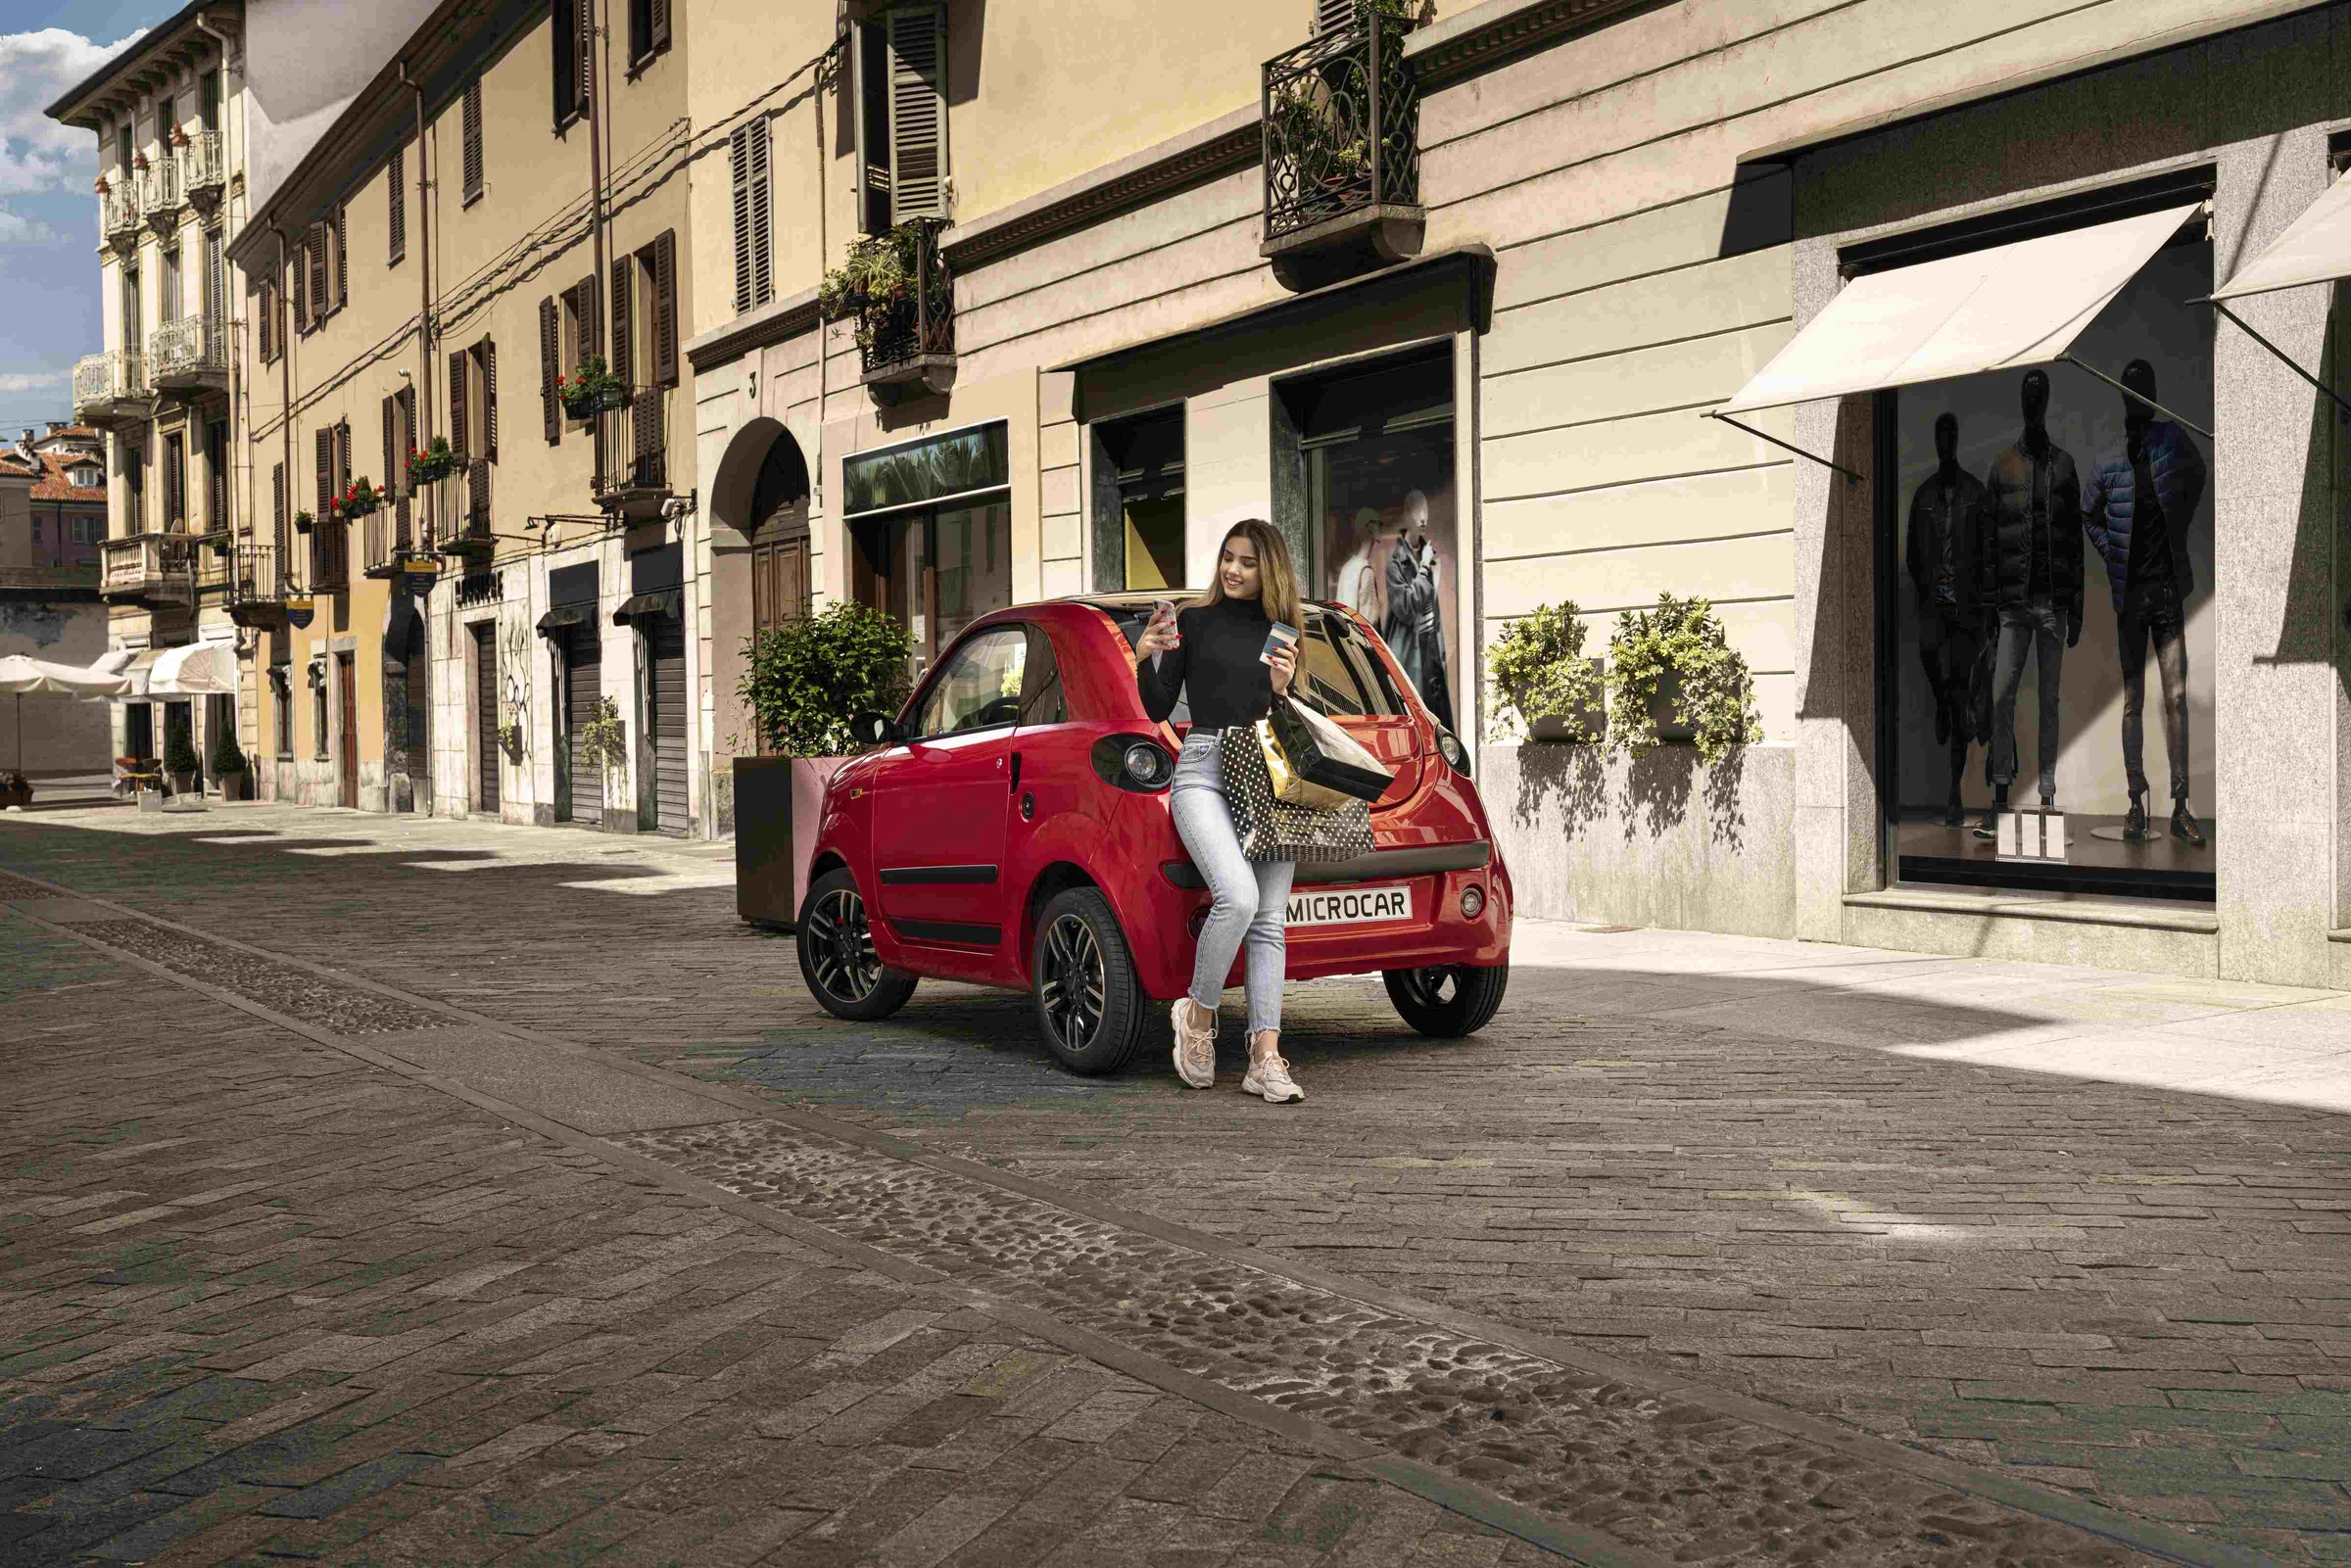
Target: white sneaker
(1270, 1076)
(1195, 1043)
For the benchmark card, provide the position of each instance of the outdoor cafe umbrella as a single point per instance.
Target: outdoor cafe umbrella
(19, 675)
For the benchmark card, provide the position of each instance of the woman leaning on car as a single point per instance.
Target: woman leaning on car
(1215, 649)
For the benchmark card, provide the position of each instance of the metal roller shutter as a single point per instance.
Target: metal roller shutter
(583, 684)
(485, 715)
(667, 639)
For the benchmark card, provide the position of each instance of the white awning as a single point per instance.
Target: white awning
(199, 669)
(2316, 248)
(21, 674)
(2000, 308)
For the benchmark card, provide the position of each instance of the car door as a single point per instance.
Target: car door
(1050, 770)
(938, 821)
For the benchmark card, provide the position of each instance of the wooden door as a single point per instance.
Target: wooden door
(666, 691)
(583, 685)
(485, 715)
(346, 761)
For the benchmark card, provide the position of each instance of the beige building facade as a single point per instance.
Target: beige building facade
(1158, 318)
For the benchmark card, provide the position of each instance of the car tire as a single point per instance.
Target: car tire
(836, 941)
(1450, 1001)
(1090, 1006)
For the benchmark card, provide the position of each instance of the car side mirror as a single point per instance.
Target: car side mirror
(871, 728)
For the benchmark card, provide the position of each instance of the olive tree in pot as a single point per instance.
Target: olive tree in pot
(803, 683)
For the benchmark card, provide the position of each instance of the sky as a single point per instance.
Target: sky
(48, 214)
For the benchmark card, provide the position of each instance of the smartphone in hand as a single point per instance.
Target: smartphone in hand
(1279, 638)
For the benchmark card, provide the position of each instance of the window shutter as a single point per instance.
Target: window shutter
(1331, 16)
(583, 49)
(301, 291)
(621, 346)
(319, 294)
(277, 498)
(660, 24)
(551, 352)
(326, 477)
(746, 154)
(592, 318)
(460, 433)
(665, 309)
(918, 115)
(396, 193)
(392, 455)
(341, 259)
(342, 456)
(266, 301)
(563, 46)
(472, 123)
(489, 353)
(405, 442)
(641, 29)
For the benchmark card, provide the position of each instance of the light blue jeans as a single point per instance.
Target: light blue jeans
(1251, 897)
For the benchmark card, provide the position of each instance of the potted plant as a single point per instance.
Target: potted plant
(431, 462)
(875, 281)
(229, 767)
(802, 682)
(1675, 679)
(304, 522)
(15, 790)
(1544, 681)
(359, 500)
(181, 762)
(591, 389)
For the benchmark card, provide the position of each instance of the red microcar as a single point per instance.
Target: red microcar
(1013, 830)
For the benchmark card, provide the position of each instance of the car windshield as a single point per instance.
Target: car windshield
(1338, 674)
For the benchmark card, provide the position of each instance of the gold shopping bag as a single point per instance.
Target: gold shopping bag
(1290, 786)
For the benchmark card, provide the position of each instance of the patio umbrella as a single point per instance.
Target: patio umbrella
(19, 675)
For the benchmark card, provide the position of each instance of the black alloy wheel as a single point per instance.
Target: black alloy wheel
(1089, 1004)
(836, 942)
(1448, 1001)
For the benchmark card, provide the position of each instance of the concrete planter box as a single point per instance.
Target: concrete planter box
(777, 800)
(1664, 840)
(234, 786)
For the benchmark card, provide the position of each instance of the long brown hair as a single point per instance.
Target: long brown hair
(1278, 579)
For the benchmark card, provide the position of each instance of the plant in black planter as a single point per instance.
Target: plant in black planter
(181, 761)
(591, 389)
(362, 499)
(1671, 669)
(876, 280)
(1543, 680)
(802, 682)
(228, 764)
(304, 522)
(432, 462)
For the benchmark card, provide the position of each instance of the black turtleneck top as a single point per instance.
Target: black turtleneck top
(1217, 662)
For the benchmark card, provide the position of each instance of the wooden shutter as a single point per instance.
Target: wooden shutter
(664, 372)
(473, 125)
(278, 497)
(563, 44)
(592, 318)
(489, 353)
(319, 294)
(460, 433)
(1331, 16)
(659, 14)
(341, 259)
(301, 291)
(326, 477)
(405, 442)
(583, 49)
(396, 194)
(394, 465)
(485, 715)
(740, 154)
(551, 353)
(264, 327)
(918, 115)
(621, 346)
(342, 456)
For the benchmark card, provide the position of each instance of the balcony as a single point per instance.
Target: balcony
(215, 567)
(189, 355)
(387, 536)
(160, 196)
(461, 521)
(149, 569)
(118, 211)
(204, 170)
(907, 342)
(110, 387)
(632, 455)
(257, 589)
(1342, 128)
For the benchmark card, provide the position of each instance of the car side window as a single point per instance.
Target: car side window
(980, 685)
(1044, 701)
(1339, 676)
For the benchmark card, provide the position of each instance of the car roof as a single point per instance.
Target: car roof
(1144, 599)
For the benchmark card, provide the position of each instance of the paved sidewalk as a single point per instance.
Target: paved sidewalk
(2081, 1229)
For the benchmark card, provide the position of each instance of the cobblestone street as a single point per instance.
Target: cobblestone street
(410, 1191)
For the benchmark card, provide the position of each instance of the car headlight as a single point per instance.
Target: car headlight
(1455, 755)
(1147, 765)
(1134, 763)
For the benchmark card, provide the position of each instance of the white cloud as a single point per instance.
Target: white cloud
(37, 381)
(18, 229)
(36, 153)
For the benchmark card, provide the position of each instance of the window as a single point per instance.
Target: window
(473, 401)
(473, 125)
(980, 686)
(901, 116)
(134, 486)
(176, 493)
(281, 691)
(649, 31)
(36, 528)
(91, 476)
(265, 310)
(644, 315)
(1138, 503)
(572, 58)
(215, 476)
(755, 246)
(396, 200)
(208, 100)
(1042, 699)
(166, 116)
(123, 147)
(171, 305)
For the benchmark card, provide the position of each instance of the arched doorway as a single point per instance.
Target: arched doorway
(762, 566)
(780, 545)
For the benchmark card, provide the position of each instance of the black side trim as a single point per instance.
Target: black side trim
(899, 875)
(1377, 865)
(959, 932)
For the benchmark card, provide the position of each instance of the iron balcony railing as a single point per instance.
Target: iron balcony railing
(461, 513)
(118, 204)
(215, 566)
(203, 164)
(149, 566)
(192, 347)
(919, 324)
(258, 577)
(159, 185)
(389, 532)
(1342, 124)
(101, 380)
(632, 443)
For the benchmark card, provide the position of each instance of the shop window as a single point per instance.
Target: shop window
(932, 525)
(2045, 547)
(1138, 503)
(1374, 456)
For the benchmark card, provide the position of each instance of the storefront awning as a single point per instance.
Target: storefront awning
(2316, 248)
(563, 615)
(198, 668)
(137, 666)
(647, 606)
(2003, 307)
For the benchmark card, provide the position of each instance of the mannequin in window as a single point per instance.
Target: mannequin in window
(2142, 499)
(1940, 555)
(1413, 627)
(2029, 577)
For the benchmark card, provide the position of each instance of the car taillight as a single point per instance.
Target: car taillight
(1455, 755)
(1134, 762)
(1473, 902)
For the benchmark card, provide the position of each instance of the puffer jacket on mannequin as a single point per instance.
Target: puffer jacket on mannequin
(2111, 508)
(2004, 530)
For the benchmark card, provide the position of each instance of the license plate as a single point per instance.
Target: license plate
(1350, 906)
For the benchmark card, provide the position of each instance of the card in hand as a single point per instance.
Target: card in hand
(1279, 638)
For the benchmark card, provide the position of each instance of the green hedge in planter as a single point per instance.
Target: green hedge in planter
(1678, 650)
(1541, 672)
(807, 677)
(227, 756)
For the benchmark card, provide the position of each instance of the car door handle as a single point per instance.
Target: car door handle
(1016, 771)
